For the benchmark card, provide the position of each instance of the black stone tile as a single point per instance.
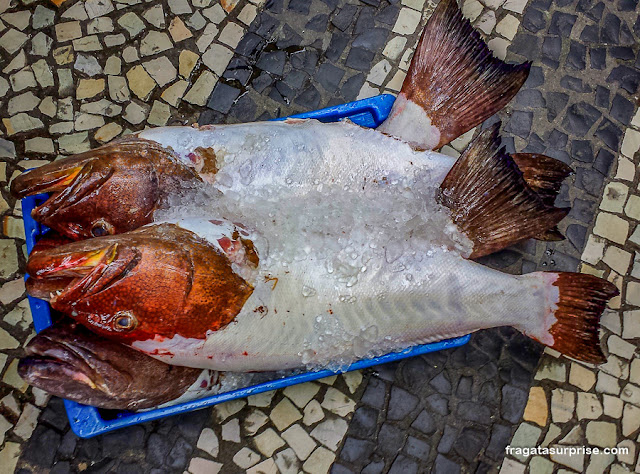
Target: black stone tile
(445, 466)
(390, 439)
(179, 455)
(41, 447)
(281, 93)
(238, 70)
(622, 109)
(580, 118)
(296, 79)
(318, 23)
(536, 144)
(264, 26)
(364, 422)
(351, 87)
(299, 6)
(305, 60)
(562, 24)
(359, 59)
(598, 58)
(557, 139)
(157, 448)
(129, 468)
(373, 3)
(417, 448)
(575, 84)
(338, 42)
(602, 97)
(114, 444)
(261, 82)
(470, 442)
(438, 404)
(604, 160)
(624, 53)
(332, 4)
(55, 414)
(272, 62)
(250, 45)
(541, 4)
(577, 235)
(520, 123)
(628, 78)
(577, 57)
(68, 445)
(245, 108)
(345, 17)
(223, 97)
(365, 21)
(590, 34)
(582, 210)
(535, 79)
(401, 404)
(424, 423)
(513, 403)
(534, 20)
(374, 467)
(564, 3)
(581, 150)
(287, 38)
(275, 6)
(610, 29)
(556, 102)
(329, 76)
(609, 133)
(627, 5)
(449, 436)
(530, 98)
(388, 15)
(526, 45)
(473, 411)
(500, 437)
(61, 467)
(403, 465)
(340, 469)
(375, 393)
(372, 40)
(441, 383)
(356, 451)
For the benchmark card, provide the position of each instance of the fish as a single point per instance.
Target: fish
(309, 245)
(71, 362)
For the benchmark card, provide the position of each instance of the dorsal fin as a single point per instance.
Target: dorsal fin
(454, 83)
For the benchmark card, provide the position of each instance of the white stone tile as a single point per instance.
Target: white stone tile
(562, 405)
(630, 419)
(312, 413)
(614, 197)
(617, 259)
(231, 35)
(407, 22)
(301, 443)
(575, 461)
(379, 72)
(511, 466)
(330, 432)
(631, 393)
(612, 406)
(268, 466)
(254, 421)
(268, 442)
(508, 27)
(353, 380)
(245, 458)
(588, 406)
(471, 9)
(616, 367)
(581, 377)
(204, 466)
(208, 442)
(261, 399)
(626, 169)
(394, 48)
(337, 402)
(201, 89)
(319, 462)
(498, 47)
(630, 143)
(487, 22)
(287, 461)
(611, 227)
(620, 347)
(284, 414)
(231, 431)
(601, 433)
(516, 6)
(301, 394)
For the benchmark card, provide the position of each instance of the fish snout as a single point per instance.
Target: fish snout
(109, 190)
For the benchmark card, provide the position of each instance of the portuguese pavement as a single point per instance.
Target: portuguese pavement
(79, 75)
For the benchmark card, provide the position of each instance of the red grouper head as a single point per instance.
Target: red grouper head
(109, 190)
(157, 281)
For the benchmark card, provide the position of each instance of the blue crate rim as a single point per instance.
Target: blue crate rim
(86, 421)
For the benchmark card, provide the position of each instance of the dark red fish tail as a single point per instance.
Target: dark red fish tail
(575, 332)
(454, 78)
(489, 199)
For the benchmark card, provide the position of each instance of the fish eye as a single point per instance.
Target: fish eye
(100, 228)
(124, 321)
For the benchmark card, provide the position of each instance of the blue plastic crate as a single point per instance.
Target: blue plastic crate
(87, 421)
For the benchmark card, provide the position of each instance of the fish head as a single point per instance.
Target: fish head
(69, 361)
(106, 191)
(156, 282)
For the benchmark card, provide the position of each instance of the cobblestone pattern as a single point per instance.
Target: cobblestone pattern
(572, 403)
(71, 79)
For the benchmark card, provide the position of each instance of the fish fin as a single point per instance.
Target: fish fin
(550, 235)
(575, 320)
(544, 175)
(454, 83)
(489, 199)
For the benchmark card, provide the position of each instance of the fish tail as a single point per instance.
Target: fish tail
(490, 200)
(453, 84)
(572, 319)
(544, 175)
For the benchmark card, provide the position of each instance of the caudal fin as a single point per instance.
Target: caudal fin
(544, 175)
(454, 83)
(574, 321)
(489, 199)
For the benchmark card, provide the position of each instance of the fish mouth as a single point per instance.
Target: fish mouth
(60, 367)
(74, 271)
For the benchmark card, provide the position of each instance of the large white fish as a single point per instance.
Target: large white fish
(318, 244)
